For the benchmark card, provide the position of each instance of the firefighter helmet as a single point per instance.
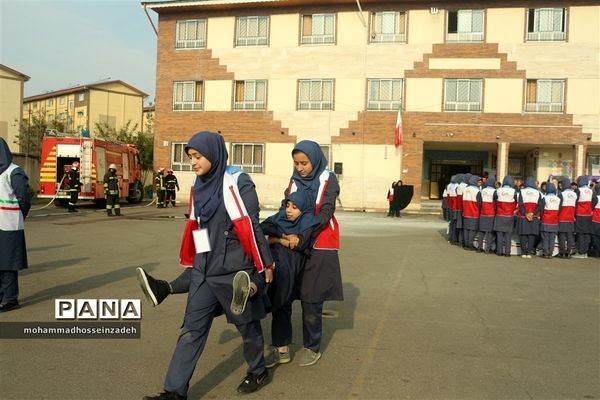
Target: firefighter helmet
(161, 169)
(112, 166)
(75, 165)
(170, 171)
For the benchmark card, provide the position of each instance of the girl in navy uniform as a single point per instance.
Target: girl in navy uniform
(596, 220)
(219, 256)
(528, 223)
(486, 217)
(322, 279)
(566, 219)
(293, 222)
(583, 217)
(504, 221)
(550, 209)
(471, 210)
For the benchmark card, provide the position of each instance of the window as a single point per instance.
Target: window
(463, 95)
(593, 164)
(248, 156)
(325, 148)
(50, 102)
(388, 27)
(315, 94)
(250, 95)
(318, 29)
(252, 31)
(384, 94)
(79, 114)
(544, 95)
(62, 116)
(187, 96)
(181, 161)
(190, 34)
(50, 117)
(35, 105)
(71, 104)
(81, 97)
(546, 24)
(465, 26)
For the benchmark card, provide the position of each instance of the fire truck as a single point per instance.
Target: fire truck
(60, 150)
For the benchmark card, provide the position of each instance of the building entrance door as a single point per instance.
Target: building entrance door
(440, 172)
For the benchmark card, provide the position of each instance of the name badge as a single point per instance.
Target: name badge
(201, 240)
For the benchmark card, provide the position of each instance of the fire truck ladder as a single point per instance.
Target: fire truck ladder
(86, 165)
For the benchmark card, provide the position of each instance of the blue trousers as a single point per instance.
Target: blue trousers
(281, 326)
(312, 325)
(566, 242)
(201, 309)
(503, 242)
(9, 286)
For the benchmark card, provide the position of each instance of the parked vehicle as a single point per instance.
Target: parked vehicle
(60, 150)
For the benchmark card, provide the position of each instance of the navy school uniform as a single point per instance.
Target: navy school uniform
(566, 219)
(505, 200)
(583, 215)
(529, 203)
(549, 210)
(210, 293)
(596, 220)
(471, 210)
(486, 217)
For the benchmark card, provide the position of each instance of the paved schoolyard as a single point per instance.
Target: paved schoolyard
(421, 319)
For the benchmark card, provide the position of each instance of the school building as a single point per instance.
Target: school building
(512, 88)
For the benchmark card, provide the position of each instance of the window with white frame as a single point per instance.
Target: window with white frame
(71, 104)
(545, 95)
(546, 24)
(388, 27)
(463, 95)
(180, 160)
(315, 94)
(190, 34)
(384, 94)
(318, 29)
(248, 156)
(61, 101)
(81, 97)
(187, 96)
(465, 26)
(250, 95)
(50, 117)
(252, 31)
(50, 102)
(35, 105)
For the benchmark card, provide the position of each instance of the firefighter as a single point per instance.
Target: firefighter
(111, 191)
(74, 185)
(159, 184)
(170, 184)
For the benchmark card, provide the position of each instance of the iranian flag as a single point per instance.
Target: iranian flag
(398, 132)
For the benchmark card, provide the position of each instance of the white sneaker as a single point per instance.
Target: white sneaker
(578, 255)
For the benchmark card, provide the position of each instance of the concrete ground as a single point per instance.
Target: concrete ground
(421, 319)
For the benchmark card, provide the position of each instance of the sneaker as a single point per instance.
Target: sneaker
(579, 255)
(241, 290)
(253, 382)
(275, 357)
(308, 357)
(524, 256)
(528, 255)
(166, 396)
(11, 305)
(155, 290)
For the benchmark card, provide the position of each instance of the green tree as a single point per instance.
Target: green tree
(143, 141)
(31, 133)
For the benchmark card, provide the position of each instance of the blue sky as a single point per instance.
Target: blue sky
(61, 44)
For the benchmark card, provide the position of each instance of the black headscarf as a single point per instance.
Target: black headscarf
(208, 188)
(5, 156)
(305, 220)
(311, 182)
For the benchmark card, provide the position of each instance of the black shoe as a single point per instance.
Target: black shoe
(507, 255)
(166, 396)
(155, 290)
(252, 382)
(11, 305)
